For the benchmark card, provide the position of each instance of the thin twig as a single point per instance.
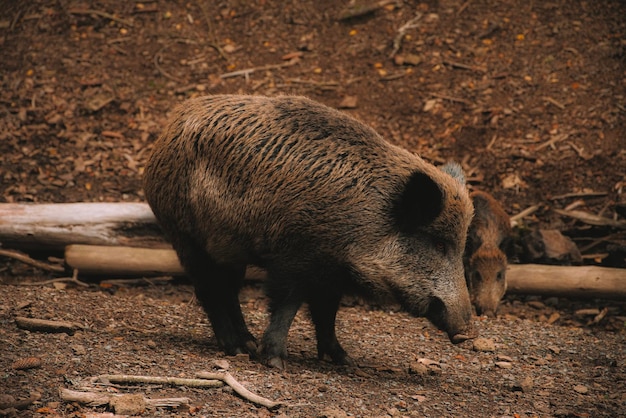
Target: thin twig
(73, 279)
(26, 259)
(238, 387)
(101, 14)
(463, 7)
(247, 71)
(211, 33)
(462, 66)
(452, 99)
(164, 73)
(362, 8)
(551, 142)
(45, 325)
(579, 194)
(526, 212)
(397, 41)
(554, 102)
(591, 219)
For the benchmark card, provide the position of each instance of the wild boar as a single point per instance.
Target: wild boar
(485, 256)
(321, 202)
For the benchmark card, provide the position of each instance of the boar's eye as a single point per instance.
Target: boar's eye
(441, 247)
(500, 276)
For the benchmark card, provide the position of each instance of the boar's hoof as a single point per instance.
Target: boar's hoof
(459, 338)
(276, 362)
(339, 357)
(245, 347)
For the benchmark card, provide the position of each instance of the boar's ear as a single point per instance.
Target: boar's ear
(419, 203)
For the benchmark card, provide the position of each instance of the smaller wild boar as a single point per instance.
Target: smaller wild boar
(485, 253)
(318, 199)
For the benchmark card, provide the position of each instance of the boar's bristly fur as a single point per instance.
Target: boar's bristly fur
(485, 255)
(320, 201)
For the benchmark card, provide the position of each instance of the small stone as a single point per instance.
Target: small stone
(502, 357)
(332, 413)
(133, 404)
(484, 344)
(412, 59)
(79, 349)
(221, 364)
(536, 304)
(527, 384)
(582, 389)
(348, 102)
(418, 368)
(504, 364)
(524, 385)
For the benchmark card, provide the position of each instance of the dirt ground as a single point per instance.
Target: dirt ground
(529, 96)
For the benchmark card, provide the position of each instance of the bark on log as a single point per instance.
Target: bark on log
(55, 225)
(573, 281)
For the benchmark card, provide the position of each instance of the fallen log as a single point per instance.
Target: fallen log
(577, 281)
(129, 261)
(52, 226)
(572, 281)
(122, 261)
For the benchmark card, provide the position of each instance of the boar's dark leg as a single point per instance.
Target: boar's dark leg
(284, 304)
(217, 288)
(323, 306)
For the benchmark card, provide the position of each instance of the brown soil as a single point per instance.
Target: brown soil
(529, 96)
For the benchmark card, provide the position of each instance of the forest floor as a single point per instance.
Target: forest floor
(529, 96)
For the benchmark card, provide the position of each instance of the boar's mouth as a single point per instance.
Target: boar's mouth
(437, 313)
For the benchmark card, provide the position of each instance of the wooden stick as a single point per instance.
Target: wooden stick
(101, 14)
(73, 279)
(130, 261)
(578, 281)
(528, 211)
(362, 8)
(174, 381)
(31, 261)
(397, 41)
(591, 219)
(205, 380)
(10, 402)
(44, 325)
(241, 391)
(99, 399)
(247, 71)
(462, 66)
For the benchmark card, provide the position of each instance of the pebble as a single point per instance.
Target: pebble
(418, 368)
(536, 304)
(582, 389)
(221, 364)
(524, 385)
(504, 364)
(333, 413)
(527, 384)
(133, 404)
(484, 344)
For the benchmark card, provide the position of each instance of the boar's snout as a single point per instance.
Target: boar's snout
(454, 319)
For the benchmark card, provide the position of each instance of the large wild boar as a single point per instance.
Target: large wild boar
(485, 256)
(320, 201)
